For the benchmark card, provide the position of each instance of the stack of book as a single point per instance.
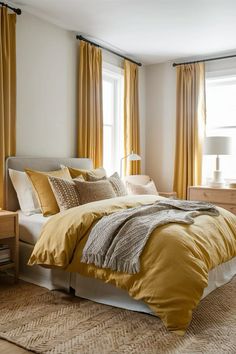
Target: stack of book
(5, 255)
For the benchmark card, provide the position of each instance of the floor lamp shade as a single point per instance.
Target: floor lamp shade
(131, 157)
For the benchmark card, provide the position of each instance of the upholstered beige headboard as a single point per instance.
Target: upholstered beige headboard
(40, 164)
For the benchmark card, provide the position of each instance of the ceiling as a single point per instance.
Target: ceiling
(150, 31)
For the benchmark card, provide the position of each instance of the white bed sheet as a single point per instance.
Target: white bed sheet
(30, 226)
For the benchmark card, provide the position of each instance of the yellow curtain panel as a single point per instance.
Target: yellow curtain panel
(90, 115)
(131, 117)
(190, 126)
(7, 92)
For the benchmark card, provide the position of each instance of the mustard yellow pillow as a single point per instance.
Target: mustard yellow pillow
(98, 173)
(47, 200)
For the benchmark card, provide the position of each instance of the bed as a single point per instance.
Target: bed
(87, 287)
(30, 227)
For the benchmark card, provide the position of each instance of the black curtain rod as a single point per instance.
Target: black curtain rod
(205, 60)
(17, 11)
(81, 38)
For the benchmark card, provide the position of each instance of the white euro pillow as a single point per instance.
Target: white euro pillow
(26, 196)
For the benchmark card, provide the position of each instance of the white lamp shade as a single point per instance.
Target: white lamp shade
(218, 145)
(133, 157)
(130, 157)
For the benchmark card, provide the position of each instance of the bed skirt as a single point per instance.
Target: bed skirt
(98, 291)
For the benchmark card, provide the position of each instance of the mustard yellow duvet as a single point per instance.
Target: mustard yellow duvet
(174, 264)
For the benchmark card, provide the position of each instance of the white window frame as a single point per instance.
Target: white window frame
(115, 75)
(213, 78)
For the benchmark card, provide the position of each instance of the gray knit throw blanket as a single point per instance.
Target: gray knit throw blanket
(117, 240)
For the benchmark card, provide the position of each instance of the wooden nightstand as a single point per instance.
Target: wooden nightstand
(223, 197)
(9, 235)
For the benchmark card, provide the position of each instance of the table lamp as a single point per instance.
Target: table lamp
(217, 145)
(130, 157)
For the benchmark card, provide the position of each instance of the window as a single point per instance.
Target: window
(112, 117)
(221, 121)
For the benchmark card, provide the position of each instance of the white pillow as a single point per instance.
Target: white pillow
(26, 196)
(148, 188)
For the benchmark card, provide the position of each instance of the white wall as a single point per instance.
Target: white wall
(161, 115)
(220, 65)
(160, 124)
(46, 88)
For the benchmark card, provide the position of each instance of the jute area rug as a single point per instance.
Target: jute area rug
(54, 322)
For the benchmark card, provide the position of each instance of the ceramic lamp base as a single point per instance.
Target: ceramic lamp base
(217, 180)
(217, 177)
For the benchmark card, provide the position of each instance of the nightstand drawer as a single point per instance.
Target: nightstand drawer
(218, 196)
(7, 226)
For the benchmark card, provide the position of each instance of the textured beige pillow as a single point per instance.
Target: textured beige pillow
(48, 203)
(65, 192)
(87, 174)
(148, 188)
(117, 185)
(92, 191)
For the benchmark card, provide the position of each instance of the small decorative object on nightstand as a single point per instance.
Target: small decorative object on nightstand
(9, 242)
(217, 145)
(223, 197)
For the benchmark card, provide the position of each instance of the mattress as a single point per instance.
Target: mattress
(30, 226)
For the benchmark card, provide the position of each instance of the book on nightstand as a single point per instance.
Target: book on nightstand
(5, 255)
